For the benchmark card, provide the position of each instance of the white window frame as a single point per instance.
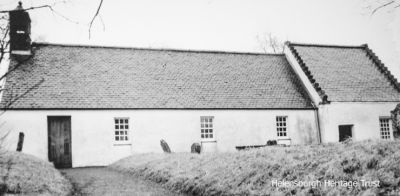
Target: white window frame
(123, 130)
(205, 127)
(388, 136)
(284, 125)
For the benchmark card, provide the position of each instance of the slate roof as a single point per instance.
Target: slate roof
(89, 77)
(346, 73)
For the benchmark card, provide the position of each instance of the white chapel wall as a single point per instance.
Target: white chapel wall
(364, 116)
(93, 131)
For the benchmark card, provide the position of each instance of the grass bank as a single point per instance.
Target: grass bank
(254, 172)
(27, 175)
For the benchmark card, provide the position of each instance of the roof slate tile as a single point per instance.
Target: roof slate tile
(79, 77)
(347, 74)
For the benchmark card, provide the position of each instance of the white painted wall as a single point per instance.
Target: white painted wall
(93, 131)
(364, 116)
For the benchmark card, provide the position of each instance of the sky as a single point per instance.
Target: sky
(227, 25)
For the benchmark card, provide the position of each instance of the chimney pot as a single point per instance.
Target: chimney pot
(19, 7)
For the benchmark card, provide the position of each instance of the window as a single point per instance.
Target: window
(207, 127)
(385, 128)
(281, 126)
(345, 132)
(121, 129)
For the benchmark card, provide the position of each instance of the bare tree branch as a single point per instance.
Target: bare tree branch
(269, 43)
(94, 17)
(9, 71)
(62, 16)
(50, 7)
(4, 42)
(102, 22)
(382, 6)
(31, 8)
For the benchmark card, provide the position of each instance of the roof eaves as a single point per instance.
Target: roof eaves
(157, 108)
(381, 67)
(308, 73)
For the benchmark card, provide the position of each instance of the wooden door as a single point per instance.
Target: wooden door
(59, 133)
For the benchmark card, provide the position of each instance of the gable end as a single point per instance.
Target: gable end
(381, 67)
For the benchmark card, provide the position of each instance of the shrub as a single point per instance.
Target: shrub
(24, 174)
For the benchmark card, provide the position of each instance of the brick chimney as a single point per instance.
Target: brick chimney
(20, 30)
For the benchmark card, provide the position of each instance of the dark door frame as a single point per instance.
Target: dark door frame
(49, 134)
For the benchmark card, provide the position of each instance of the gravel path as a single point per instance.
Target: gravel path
(103, 181)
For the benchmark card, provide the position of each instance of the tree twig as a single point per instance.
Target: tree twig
(94, 17)
(62, 16)
(102, 22)
(382, 6)
(26, 9)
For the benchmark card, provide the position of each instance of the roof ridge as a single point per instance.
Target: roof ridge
(325, 45)
(381, 67)
(308, 73)
(155, 49)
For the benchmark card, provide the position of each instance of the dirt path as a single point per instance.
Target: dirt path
(103, 181)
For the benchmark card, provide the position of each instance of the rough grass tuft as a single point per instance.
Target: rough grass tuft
(27, 175)
(252, 172)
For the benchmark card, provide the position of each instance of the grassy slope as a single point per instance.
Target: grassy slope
(29, 175)
(251, 172)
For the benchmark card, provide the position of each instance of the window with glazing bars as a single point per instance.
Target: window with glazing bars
(121, 129)
(385, 128)
(281, 127)
(207, 129)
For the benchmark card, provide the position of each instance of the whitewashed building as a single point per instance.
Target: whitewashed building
(91, 105)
